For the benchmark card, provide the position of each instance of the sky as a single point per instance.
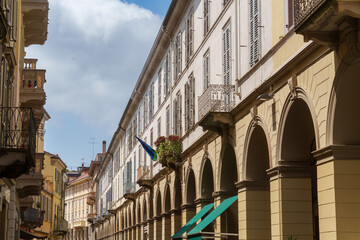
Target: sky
(93, 56)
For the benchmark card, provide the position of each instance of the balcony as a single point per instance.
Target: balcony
(91, 217)
(91, 198)
(60, 227)
(29, 184)
(215, 105)
(32, 218)
(129, 191)
(17, 141)
(144, 178)
(322, 20)
(35, 18)
(32, 93)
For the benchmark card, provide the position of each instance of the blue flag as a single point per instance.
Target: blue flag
(152, 153)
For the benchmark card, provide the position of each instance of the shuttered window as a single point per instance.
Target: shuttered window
(206, 70)
(189, 38)
(254, 32)
(159, 87)
(178, 52)
(206, 16)
(227, 54)
(167, 75)
(167, 121)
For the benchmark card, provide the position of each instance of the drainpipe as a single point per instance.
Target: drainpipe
(237, 50)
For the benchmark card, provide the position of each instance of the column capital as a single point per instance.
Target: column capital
(187, 206)
(289, 169)
(222, 193)
(175, 211)
(337, 152)
(202, 201)
(248, 185)
(165, 215)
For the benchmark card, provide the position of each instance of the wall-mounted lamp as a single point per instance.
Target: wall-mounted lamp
(265, 97)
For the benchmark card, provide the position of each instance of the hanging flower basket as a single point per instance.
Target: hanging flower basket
(168, 150)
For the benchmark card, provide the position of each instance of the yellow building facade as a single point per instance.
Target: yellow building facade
(289, 147)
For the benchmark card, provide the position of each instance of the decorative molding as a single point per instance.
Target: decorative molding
(299, 170)
(337, 152)
(292, 83)
(247, 185)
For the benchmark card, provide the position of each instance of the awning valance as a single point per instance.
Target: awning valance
(195, 233)
(193, 221)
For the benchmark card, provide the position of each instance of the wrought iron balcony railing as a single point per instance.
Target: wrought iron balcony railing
(303, 9)
(17, 130)
(60, 226)
(32, 217)
(217, 98)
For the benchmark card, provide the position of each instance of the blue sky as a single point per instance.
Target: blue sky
(93, 57)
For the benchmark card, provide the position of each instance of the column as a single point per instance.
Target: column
(188, 211)
(157, 228)
(166, 226)
(254, 210)
(175, 221)
(150, 229)
(291, 202)
(338, 178)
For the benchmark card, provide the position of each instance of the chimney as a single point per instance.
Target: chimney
(104, 147)
(82, 167)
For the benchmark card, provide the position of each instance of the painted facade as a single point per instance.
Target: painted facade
(263, 97)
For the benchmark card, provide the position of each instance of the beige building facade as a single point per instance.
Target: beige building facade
(271, 118)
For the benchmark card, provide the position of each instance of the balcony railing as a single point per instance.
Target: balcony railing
(17, 130)
(129, 187)
(143, 172)
(303, 9)
(217, 98)
(60, 226)
(32, 218)
(17, 136)
(91, 217)
(32, 78)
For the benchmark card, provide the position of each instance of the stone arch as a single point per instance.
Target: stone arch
(343, 116)
(190, 187)
(256, 162)
(227, 170)
(301, 95)
(145, 210)
(255, 170)
(298, 138)
(167, 199)
(138, 212)
(207, 179)
(158, 204)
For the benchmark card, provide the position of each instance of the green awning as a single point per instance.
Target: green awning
(193, 221)
(195, 232)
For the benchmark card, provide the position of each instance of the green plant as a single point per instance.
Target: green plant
(169, 151)
(38, 205)
(292, 238)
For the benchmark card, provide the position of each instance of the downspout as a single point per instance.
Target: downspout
(237, 50)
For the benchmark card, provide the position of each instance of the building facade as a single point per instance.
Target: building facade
(76, 194)
(262, 97)
(22, 99)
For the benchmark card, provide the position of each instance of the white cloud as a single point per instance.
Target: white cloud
(93, 57)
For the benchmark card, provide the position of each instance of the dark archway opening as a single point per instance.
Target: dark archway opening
(228, 178)
(297, 146)
(207, 189)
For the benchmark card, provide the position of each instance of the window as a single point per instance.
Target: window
(177, 114)
(189, 103)
(167, 120)
(159, 127)
(167, 75)
(290, 13)
(206, 69)
(151, 138)
(178, 52)
(189, 37)
(226, 54)
(254, 32)
(145, 106)
(159, 87)
(206, 16)
(134, 127)
(151, 101)
(145, 155)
